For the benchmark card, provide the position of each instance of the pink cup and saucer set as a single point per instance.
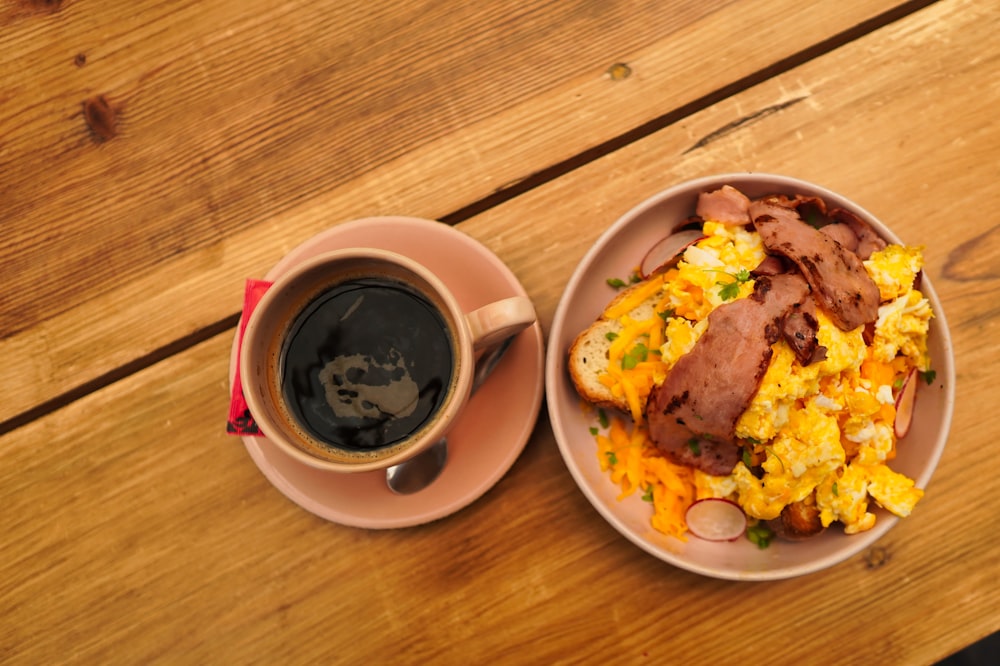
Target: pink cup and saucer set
(485, 438)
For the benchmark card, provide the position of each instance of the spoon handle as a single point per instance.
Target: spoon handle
(488, 362)
(417, 473)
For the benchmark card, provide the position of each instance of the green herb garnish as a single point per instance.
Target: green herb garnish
(612, 458)
(648, 497)
(594, 431)
(602, 418)
(694, 446)
(760, 535)
(928, 375)
(616, 283)
(731, 290)
(611, 336)
(634, 356)
(812, 217)
(780, 461)
(836, 491)
(746, 459)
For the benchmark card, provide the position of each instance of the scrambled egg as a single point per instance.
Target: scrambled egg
(823, 429)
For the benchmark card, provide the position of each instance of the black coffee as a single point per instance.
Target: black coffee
(366, 364)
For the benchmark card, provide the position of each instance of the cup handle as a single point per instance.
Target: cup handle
(492, 323)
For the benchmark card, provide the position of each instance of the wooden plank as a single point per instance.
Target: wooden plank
(244, 128)
(136, 531)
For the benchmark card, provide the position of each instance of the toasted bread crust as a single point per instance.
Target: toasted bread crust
(588, 355)
(588, 359)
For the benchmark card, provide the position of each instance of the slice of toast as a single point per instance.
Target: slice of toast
(589, 353)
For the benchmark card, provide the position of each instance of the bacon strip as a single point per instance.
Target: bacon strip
(726, 205)
(692, 415)
(842, 234)
(799, 329)
(868, 239)
(770, 265)
(838, 278)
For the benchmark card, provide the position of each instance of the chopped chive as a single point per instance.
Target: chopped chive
(636, 355)
(602, 418)
(780, 461)
(760, 535)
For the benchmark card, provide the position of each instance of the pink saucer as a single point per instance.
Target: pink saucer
(492, 430)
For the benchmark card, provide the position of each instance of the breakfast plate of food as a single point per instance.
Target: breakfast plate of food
(750, 377)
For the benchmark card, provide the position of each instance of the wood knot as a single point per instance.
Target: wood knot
(877, 557)
(42, 5)
(975, 259)
(80, 59)
(619, 71)
(101, 118)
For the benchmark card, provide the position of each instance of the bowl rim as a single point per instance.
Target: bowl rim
(555, 375)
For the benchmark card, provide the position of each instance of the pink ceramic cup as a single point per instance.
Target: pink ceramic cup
(341, 346)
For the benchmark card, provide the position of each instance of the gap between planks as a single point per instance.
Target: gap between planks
(509, 192)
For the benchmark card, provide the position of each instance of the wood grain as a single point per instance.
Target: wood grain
(136, 531)
(242, 129)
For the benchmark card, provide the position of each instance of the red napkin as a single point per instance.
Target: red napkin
(240, 420)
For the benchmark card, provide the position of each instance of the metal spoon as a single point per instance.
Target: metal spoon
(419, 471)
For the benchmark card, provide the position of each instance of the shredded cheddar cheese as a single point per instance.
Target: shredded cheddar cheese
(635, 297)
(635, 465)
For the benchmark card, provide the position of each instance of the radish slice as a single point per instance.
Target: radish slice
(715, 519)
(904, 404)
(665, 253)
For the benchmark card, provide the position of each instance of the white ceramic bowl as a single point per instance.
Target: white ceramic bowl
(616, 254)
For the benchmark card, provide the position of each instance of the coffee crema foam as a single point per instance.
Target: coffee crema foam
(347, 399)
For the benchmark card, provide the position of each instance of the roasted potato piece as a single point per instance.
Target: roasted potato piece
(798, 520)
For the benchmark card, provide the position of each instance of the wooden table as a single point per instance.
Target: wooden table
(153, 155)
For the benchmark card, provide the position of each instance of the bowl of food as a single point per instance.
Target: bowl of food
(750, 377)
